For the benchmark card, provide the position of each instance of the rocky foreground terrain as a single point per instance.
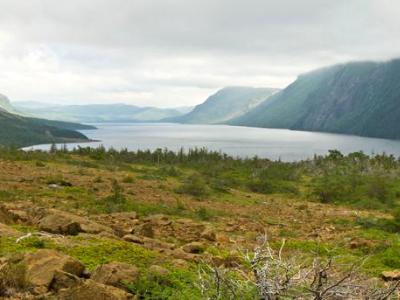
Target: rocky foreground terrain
(52, 273)
(73, 228)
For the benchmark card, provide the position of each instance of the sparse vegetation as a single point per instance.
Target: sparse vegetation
(338, 205)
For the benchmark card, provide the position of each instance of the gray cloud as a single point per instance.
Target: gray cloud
(176, 52)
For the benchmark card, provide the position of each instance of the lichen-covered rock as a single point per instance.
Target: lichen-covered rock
(90, 289)
(57, 221)
(42, 265)
(60, 224)
(115, 274)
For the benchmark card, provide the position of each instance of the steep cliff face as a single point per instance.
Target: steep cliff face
(354, 98)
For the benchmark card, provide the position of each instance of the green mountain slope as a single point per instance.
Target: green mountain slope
(16, 130)
(96, 113)
(19, 131)
(356, 98)
(226, 104)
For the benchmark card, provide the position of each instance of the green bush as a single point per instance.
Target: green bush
(179, 284)
(196, 186)
(204, 214)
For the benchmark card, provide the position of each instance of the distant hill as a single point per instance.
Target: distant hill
(360, 98)
(226, 104)
(96, 113)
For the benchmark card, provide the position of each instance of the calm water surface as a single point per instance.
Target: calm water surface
(287, 145)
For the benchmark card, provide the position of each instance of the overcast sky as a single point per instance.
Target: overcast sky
(176, 52)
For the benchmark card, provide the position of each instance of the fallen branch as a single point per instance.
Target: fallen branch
(39, 233)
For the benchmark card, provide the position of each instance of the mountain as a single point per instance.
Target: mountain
(16, 130)
(361, 98)
(5, 104)
(96, 113)
(226, 104)
(20, 131)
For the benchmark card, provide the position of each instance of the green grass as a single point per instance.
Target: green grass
(96, 251)
(8, 246)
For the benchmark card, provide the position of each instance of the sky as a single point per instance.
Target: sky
(170, 53)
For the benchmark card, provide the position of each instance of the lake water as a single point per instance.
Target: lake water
(287, 145)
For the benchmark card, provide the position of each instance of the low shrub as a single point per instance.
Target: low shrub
(195, 186)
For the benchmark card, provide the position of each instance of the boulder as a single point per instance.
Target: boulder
(157, 244)
(63, 280)
(159, 220)
(145, 229)
(19, 212)
(182, 255)
(90, 289)
(60, 224)
(149, 243)
(57, 221)
(209, 235)
(194, 248)
(115, 274)
(133, 239)
(122, 223)
(187, 230)
(391, 275)
(42, 265)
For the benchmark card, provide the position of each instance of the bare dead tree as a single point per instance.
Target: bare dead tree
(274, 276)
(277, 277)
(216, 283)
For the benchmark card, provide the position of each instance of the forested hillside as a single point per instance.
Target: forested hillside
(357, 98)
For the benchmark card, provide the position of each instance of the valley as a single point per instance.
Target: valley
(199, 150)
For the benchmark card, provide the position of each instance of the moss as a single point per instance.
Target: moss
(9, 246)
(95, 251)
